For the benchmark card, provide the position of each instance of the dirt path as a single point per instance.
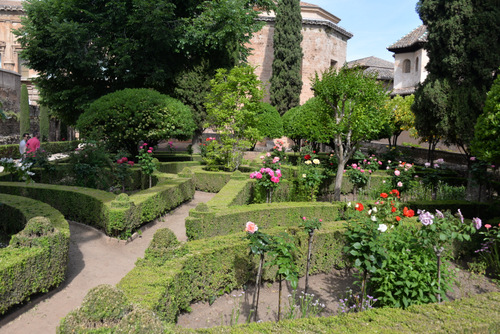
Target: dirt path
(93, 259)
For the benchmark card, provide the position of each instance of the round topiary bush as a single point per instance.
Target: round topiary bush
(104, 304)
(124, 118)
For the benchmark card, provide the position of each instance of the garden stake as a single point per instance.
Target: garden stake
(309, 251)
(363, 290)
(255, 302)
(279, 298)
(438, 254)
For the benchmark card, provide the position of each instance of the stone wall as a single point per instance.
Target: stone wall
(322, 47)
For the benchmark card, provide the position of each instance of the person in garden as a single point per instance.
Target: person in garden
(34, 143)
(22, 144)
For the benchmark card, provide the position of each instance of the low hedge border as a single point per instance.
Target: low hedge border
(115, 215)
(478, 314)
(33, 262)
(171, 277)
(12, 150)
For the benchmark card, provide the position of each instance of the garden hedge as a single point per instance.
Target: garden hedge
(12, 150)
(37, 257)
(171, 277)
(115, 215)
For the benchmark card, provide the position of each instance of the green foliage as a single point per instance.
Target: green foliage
(490, 248)
(91, 166)
(308, 122)
(44, 123)
(232, 108)
(24, 115)
(123, 118)
(116, 55)
(461, 63)
(268, 177)
(354, 102)
(486, 142)
(281, 253)
(286, 79)
(309, 177)
(146, 160)
(36, 259)
(269, 122)
(401, 117)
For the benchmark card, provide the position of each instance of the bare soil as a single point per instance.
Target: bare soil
(326, 288)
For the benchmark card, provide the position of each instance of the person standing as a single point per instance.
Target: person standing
(34, 143)
(22, 144)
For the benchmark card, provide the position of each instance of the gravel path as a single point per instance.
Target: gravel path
(93, 259)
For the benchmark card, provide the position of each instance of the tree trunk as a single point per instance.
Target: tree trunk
(338, 181)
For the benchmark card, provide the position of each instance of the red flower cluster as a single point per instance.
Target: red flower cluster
(359, 207)
(383, 195)
(307, 157)
(395, 192)
(124, 160)
(408, 213)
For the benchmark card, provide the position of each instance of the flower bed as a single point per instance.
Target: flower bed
(36, 259)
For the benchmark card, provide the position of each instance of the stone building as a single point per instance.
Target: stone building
(410, 61)
(324, 45)
(11, 12)
(383, 68)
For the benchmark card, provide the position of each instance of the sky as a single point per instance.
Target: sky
(375, 24)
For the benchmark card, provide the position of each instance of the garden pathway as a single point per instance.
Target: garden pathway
(93, 259)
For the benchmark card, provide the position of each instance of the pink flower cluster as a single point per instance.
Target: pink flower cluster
(275, 176)
(124, 160)
(145, 146)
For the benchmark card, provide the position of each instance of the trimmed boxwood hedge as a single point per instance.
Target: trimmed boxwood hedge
(105, 210)
(12, 150)
(168, 282)
(37, 257)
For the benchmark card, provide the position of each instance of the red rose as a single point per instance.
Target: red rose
(307, 157)
(359, 207)
(398, 218)
(383, 195)
(393, 209)
(408, 213)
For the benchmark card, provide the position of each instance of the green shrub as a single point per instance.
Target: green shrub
(269, 122)
(36, 259)
(24, 115)
(126, 117)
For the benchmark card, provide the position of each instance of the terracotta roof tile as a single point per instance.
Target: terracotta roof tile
(308, 4)
(383, 68)
(414, 39)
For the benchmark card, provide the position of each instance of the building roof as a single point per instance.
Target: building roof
(6, 5)
(307, 4)
(383, 68)
(411, 42)
(403, 91)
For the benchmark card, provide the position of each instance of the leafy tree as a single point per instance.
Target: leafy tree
(463, 61)
(232, 107)
(286, 79)
(123, 118)
(44, 123)
(486, 144)
(83, 49)
(354, 102)
(308, 122)
(269, 122)
(24, 116)
(401, 119)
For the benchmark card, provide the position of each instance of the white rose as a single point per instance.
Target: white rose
(382, 227)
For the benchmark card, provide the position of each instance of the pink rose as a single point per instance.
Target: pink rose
(275, 179)
(149, 151)
(400, 184)
(268, 154)
(278, 173)
(131, 163)
(252, 175)
(362, 170)
(262, 170)
(151, 148)
(119, 161)
(258, 175)
(304, 218)
(124, 159)
(320, 220)
(396, 172)
(251, 228)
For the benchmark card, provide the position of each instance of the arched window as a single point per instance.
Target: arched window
(416, 65)
(406, 66)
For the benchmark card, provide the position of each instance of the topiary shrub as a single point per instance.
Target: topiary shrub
(269, 121)
(34, 233)
(126, 117)
(105, 304)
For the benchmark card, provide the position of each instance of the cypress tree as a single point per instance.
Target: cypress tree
(24, 116)
(44, 123)
(286, 79)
